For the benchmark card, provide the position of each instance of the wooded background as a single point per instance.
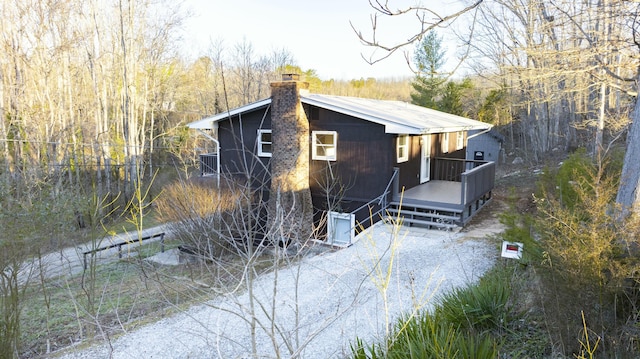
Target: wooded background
(93, 89)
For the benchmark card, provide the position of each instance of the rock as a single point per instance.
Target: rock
(169, 257)
(517, 161)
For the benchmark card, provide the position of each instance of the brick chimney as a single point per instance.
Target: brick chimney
(290, 206)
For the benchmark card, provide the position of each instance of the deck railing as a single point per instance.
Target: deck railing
(477, 181)
(477, 178)
(381, 199)
(209, 164)
(451, 169)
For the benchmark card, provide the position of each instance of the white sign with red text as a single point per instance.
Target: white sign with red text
(512, 250)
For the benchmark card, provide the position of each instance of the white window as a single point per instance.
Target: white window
(324, 145)
(402, 148)
(445, 142)
(460, 140)
(264, 143)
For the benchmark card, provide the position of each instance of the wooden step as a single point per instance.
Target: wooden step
(395, 204)
(406, 212)
(429, 223)
(425, 215)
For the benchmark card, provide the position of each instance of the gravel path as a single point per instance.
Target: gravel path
(337, 300)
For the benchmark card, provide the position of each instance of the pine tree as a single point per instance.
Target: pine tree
(452, 97)
(428, 58)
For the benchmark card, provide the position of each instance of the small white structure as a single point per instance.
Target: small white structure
(512, 250)
(341, 229)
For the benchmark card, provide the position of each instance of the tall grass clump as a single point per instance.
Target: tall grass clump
(427, 335)
(194, 211)
(479, 308)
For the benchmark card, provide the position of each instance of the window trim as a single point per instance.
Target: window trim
(400, 146)
(444, 144)
(261, 143)
(315, 144)
(460, 140)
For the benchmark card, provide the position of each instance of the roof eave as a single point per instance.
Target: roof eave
(456, 128)
(394, 127)
(207, 122)
(402, 130)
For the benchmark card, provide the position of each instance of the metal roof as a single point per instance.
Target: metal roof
(398, 117)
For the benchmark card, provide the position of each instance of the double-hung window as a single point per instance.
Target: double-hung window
(460, 140)
(402, 148)
(264, 143)
(445, 142)
(324, 145)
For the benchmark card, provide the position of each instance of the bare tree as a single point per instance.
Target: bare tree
(628, 196)
(81, 86)
(565, 62)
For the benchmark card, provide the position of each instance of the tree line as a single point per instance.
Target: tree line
(111, 74)
(89, 91)
(562, 71)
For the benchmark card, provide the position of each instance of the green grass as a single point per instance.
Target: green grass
(127, 291)
(428, 335)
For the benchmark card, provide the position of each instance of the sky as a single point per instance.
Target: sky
(316, 32)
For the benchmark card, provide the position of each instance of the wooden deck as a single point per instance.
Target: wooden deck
(442, 203)
(436, 191)
(438, 195)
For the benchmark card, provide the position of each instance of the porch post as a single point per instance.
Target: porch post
(395, 192)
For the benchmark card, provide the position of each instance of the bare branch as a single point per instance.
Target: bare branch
(421, 13)
(593, 44)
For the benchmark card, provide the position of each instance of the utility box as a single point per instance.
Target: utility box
(341, 229)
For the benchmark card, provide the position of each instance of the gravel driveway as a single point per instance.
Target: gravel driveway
(338, 299)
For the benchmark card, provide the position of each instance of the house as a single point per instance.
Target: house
(358, 157)
(485, 145)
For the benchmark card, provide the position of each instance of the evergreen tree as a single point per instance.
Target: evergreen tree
(428, 59)
(495, 108)
(451, 100)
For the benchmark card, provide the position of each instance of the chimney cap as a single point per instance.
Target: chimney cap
(291, 77)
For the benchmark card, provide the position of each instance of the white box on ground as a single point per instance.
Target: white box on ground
(512, 250)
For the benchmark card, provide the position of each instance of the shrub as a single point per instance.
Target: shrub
(466, 323)
(428, 335)
(195, 211)
(479, 308)
(589, 260)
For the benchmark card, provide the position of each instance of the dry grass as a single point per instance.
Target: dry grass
(194, 199)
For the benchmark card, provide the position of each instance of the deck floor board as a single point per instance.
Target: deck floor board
(436, 191)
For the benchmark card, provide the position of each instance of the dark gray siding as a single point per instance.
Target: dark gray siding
(490, 144)
(365, 155)
(238, 152)
(364, 163)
